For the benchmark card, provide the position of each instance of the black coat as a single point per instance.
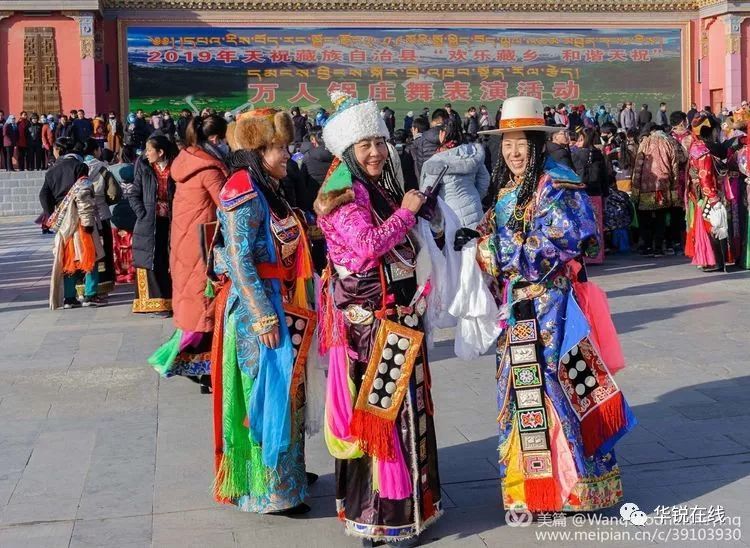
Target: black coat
(300, 190)
(424, 148)
(591, 167)
(63, 130)
(59, 179)
(471, 125)
(169, 128)
(34, 135)
(300, 127)
(182, 124)
(406, 155)
(560, 154)
(316, 163)
(142, 198)
(644, 117)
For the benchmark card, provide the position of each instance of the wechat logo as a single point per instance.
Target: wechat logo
(630, 512)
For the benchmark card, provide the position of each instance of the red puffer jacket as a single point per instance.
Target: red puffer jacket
(198, 178)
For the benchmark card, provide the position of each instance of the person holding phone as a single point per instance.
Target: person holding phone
(376, 308)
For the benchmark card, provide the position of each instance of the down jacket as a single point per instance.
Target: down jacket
(199, 177)
(142, 198)
(465, 183)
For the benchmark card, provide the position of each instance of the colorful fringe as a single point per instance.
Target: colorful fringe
(217, 358)
(241, 471)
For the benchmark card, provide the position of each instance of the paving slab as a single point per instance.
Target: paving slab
(97, 450)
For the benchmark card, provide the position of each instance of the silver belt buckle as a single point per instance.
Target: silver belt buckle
(359, 315)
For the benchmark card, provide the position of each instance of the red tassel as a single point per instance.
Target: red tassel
(603, 422)
(375, 435)
(542, 495)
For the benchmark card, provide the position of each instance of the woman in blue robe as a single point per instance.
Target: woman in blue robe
(560, 409)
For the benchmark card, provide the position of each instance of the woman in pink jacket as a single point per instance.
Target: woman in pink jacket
(379, 411)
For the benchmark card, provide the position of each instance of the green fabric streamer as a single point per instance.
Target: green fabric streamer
(634, 223)
(209, 292)
(241, 471)
(165, 355)
(340, 179)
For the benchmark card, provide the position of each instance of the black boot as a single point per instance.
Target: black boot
(205, 382)
(298, 510)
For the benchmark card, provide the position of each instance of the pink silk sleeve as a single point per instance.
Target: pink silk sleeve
(353, 222)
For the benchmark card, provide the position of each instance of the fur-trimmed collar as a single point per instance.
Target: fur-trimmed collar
(327, 202)
(335, 192)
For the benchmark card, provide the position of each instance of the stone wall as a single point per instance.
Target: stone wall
(19, 192)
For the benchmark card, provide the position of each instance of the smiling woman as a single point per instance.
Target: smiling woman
(560, 409)
(264, 325)
(379, 411)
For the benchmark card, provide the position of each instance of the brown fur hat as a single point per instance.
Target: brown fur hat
(231, 136)
(263, 127)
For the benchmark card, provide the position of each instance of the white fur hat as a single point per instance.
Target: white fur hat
(352, 122)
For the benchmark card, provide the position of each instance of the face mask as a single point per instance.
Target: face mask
(223, 148)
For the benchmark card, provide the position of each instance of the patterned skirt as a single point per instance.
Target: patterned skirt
(252, 486)
(359, 502)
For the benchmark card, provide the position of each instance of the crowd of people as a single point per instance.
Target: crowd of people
(305, 262)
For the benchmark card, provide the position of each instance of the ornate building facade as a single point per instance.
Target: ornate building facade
(63, 55)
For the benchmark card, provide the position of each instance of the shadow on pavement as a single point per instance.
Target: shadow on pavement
(681, 470)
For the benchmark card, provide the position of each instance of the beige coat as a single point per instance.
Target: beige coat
(77, 209)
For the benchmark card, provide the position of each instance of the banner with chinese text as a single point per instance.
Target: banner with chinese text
(405, 69)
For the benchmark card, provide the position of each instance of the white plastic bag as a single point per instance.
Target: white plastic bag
(474, 307)
(446, 265)
(719, 221)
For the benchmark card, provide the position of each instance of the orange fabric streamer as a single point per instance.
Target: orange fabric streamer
(87, 261)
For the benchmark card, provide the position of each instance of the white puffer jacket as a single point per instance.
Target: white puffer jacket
(465, 183)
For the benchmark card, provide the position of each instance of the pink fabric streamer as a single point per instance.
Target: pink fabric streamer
(562, 459)
(338, 398)
(190, 338)
(704, 253)
(593, 303)
(393, 476)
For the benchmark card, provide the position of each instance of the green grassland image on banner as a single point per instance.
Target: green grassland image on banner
(171, 68)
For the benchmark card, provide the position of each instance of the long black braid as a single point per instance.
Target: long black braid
(502, 176)
(272, 192)
(386, 193)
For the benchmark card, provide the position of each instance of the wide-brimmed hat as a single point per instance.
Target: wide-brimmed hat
(522, 114)
(352, 122)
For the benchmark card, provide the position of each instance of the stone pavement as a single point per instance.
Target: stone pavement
(97, 451)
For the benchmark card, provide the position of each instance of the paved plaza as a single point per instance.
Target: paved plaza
(97, 451)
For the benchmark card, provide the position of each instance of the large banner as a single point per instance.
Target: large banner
(406, 69)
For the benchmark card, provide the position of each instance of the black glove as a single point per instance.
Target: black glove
(88, 229)
(463, 237)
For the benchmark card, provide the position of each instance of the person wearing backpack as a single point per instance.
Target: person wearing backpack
(107, 192)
